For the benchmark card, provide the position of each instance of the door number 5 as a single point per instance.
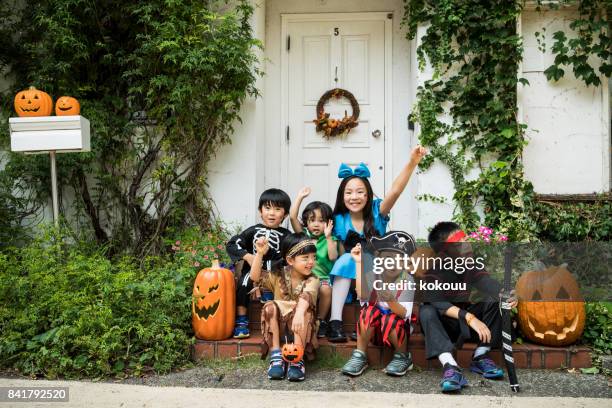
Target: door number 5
(336, 31)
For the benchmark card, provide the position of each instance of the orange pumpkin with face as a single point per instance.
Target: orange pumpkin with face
(67, 105)
(557, 322)
(292, 353)
(33, 102)
(214, 303)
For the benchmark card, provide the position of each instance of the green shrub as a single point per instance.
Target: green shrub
(598, 326)
(67, 310)
(574, 222)
(197, 249)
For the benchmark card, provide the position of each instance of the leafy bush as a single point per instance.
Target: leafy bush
(598, 326)
(574, 222)
(197, 249)
(67, 310)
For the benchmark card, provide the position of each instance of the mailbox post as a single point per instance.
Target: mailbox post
(50, 134)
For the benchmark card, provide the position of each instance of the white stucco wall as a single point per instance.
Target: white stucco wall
(236, 174)
(569, 123)
(404, 214)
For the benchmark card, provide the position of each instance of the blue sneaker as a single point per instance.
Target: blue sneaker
(241, 329)
(277, 367)
(266, 296)
(486, 367)
(296, 371)
(453, 379)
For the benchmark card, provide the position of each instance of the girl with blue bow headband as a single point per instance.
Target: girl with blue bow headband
(358, 216)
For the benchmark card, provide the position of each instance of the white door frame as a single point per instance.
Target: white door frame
(284, 117)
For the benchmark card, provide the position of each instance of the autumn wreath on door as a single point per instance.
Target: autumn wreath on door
(332, 127)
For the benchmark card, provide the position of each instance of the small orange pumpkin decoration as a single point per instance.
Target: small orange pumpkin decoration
(214, 303)
(33, 102)
(552, 323)
(292, 353)
(332, 123)
(67, 105)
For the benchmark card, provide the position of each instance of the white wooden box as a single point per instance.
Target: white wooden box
(45, 133)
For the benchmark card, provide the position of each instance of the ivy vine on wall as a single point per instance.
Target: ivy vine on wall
(589, 44)
(467, 111)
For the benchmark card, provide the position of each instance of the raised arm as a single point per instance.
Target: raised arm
(295, 209)
(332, 245)
(262, 248)
(400, 182)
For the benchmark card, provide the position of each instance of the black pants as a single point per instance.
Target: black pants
(245, 285)
(442, 331)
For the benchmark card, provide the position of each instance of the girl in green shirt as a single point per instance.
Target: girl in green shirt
(317, 223)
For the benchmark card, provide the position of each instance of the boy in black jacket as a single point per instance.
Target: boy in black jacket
(273, 208)
(448, 318)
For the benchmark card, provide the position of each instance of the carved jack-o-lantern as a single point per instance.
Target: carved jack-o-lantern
(33, 102)
(67, 105)
(292, 353)
(214, 303)
(551, 309)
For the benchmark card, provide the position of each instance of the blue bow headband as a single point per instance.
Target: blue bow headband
(361, 170)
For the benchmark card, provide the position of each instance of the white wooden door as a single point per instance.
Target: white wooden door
(322, 55)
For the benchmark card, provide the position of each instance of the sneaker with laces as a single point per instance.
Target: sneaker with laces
(277, 367)
(453, 379)
(296, 371)
(399, 365)
(356, 365)
(266, 296)
(241, 328)
(335, 334)
(323, 329)
(486, 367)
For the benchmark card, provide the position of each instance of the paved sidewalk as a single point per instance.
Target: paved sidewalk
(91, 395)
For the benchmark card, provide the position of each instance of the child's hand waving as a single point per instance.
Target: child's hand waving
(418, 153)
(328, 229)
(262, 246)
(304, 192)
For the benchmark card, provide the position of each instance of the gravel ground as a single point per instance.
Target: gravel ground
(534, 383)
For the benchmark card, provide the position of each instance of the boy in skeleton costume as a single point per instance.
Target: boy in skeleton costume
(295, 291)
(273, 208)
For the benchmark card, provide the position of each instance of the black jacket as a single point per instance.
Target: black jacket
(244, 243)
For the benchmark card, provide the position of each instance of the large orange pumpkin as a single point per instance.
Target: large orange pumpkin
(214, 303)
(33, 102)
(292, 353)
(67, 105)
(551, 309)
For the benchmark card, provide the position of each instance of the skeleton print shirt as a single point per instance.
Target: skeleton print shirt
(244, 243)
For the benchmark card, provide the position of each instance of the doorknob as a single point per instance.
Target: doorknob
(376, 133)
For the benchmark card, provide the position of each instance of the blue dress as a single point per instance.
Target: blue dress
(345, 265)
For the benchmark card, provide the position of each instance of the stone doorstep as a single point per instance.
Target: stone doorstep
(525, 355)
